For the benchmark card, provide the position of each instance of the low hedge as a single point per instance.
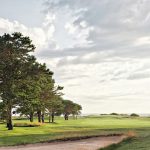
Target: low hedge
(27, 124)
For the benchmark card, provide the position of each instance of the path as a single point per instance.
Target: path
(85, 144)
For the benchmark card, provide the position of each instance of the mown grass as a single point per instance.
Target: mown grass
(84, 126)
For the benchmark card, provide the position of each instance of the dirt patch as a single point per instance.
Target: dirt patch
(93, 143)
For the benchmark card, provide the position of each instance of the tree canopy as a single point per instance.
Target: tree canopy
(27, 85)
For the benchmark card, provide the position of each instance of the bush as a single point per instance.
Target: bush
(27, 124)
(134, 115)
(114, 114)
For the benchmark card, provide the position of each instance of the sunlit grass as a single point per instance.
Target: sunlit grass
(83, 126)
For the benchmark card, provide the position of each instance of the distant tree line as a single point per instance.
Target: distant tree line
(27, 85)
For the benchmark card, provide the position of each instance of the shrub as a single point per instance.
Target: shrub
(134, 115)
(114, 114)
(27, 124)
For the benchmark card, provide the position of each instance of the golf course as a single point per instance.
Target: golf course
(74, 75)
(137, 130)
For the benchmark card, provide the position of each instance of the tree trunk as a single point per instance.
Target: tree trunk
(42, 117)
(39, 115)
(9, 119)
(66, 117)
(49, 117)
(31, 117)
(74, 117)
(53, 117)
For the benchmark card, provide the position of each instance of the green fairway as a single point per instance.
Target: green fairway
(84, 126)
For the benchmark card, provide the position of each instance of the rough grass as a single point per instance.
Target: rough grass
(138, 143)
(85, 126)
(115, 146)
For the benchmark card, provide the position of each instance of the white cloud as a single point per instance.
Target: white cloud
(142, 41)
(99, 51)
(42, 36)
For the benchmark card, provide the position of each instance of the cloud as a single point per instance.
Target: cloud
(99, 51)
(39, 35)
(95, 27)
(139, 76)
(115, 56)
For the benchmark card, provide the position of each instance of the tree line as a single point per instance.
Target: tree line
(27, 85)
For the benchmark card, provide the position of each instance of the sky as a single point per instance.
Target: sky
(99, 50)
